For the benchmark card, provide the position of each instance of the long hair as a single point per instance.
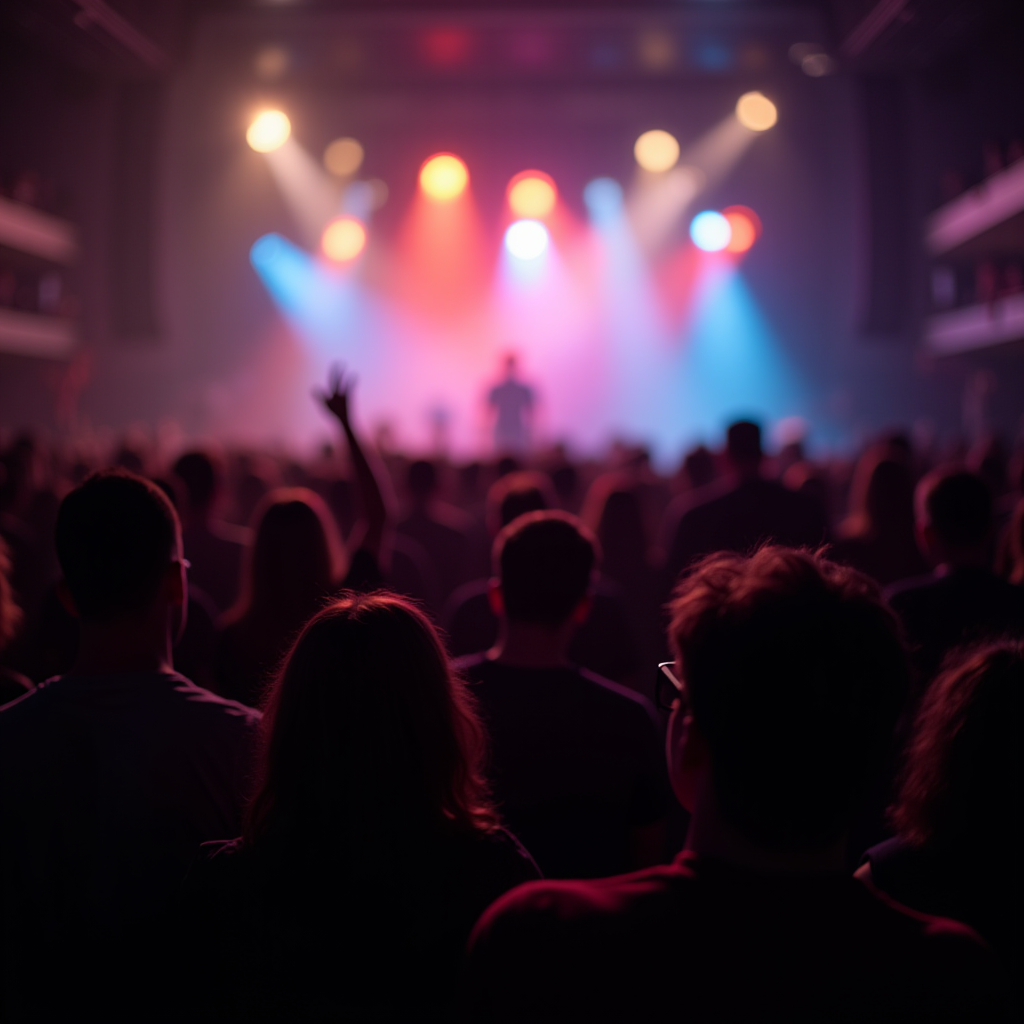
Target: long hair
(961, 786)
(295, 561)
(368, 734)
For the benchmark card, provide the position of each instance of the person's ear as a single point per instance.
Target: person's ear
(688, 755)
(495, 598)
(65, 598)
(581, 612)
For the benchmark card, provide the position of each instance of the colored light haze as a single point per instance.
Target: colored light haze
(268, 131)
(710, 231)
(526, 239)
(444, 177)
(532, 194)
(656, 151)
(755, 111)
(344, 157)
(343, 239)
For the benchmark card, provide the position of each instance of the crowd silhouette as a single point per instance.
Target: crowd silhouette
(374, 737)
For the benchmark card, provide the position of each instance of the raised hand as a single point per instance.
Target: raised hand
(335, 400)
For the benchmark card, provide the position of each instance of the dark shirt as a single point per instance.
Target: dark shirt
(108, 783)
(603, 644)
(443, 534)
(946, 609)
(739, 517)
(577, 764)
(701, 941)
(215, 551)
(308, 935)
(978, 885)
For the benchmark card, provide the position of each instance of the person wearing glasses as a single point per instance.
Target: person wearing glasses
(788, 679)
(110, 775)
(577, 761)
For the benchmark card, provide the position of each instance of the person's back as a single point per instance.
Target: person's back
(215, 548)
(739, 514)
(576, 760)
(700, 940)
(788, 680)
(113, 774)
(371, 846)
(962, 601)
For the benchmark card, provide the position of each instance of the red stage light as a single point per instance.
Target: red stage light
(746, 227)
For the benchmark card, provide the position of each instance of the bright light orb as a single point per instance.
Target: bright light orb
(343, 157)
(603, 198)
(532, 194)
(656, 151)
(269, 131)
(745, 226)
(343, 239)
(710, 231)
(444, 177)
(755, 111)
(526, 239)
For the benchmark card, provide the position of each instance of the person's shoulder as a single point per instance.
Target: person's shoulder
(613, 694)
(472, 666)
(912, 589)
(16, 714)
(204, 702)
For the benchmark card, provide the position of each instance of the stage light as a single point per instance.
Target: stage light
(343, 157)
(343, 239)
(755, 111)
(656, 150)
(444, 177)
(745, 226)
(603, 197)
(526, 239)
(532, 194)
(710, 231)
(269, 131)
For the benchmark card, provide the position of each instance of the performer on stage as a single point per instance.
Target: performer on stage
(513, 402)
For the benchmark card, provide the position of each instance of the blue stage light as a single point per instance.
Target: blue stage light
(603, 198)
(710, 231)
(526, 239)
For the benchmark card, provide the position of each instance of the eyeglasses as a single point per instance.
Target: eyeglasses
(667, 688)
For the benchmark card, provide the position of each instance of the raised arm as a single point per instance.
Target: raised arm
(375, 510)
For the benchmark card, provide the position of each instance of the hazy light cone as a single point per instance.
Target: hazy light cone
(755, 111)
(656, 150)
(268, 131)
(444, 177)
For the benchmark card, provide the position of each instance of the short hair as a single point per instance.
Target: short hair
(515, 494)
(961, 783)
(743, 441)
(201, 474)
(116, 534)
(421, 478)
(957, 504)
(796, 674)
(545, 561)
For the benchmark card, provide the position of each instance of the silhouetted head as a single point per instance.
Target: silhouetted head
(511, 365)
(370, 739)
(963, 784)
(545, 562)
(954, 514)
(295, 560)
(516, 494)
(613, 512)
(699, 467)
(795, 675)
(421, 480)
(743, 446)
(117, 536)
(882, 495)
(202, 476)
